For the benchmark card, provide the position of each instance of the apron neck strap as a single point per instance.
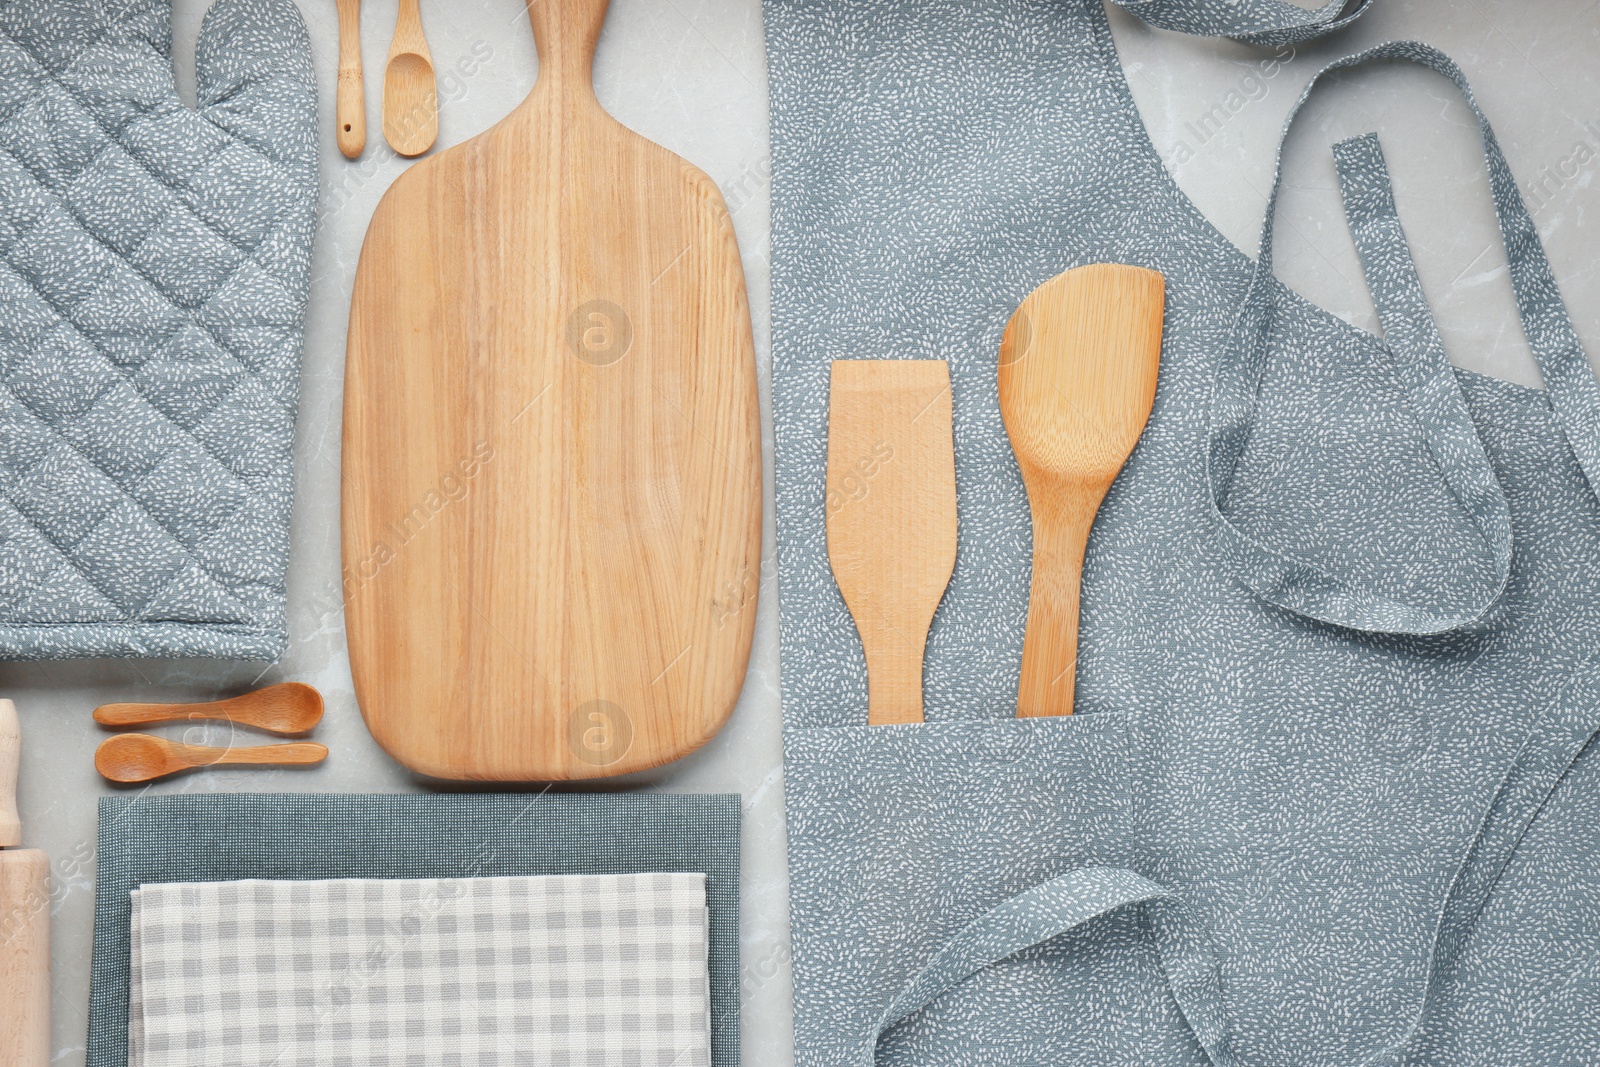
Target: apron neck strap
(1318, 590)
(1569, 380)
(1272, 23)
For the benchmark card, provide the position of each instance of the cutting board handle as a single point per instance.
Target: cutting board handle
(567, 33)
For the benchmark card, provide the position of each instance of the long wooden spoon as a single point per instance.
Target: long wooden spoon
(144, 758)
(410, 93)
(1078, 369)
(290, 709)
(352, 107)
(891, 516)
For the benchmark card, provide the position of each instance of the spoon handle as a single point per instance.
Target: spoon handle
(352, 106)
(275, 709)
(1050, 648)
(299, 754)
(408, 35)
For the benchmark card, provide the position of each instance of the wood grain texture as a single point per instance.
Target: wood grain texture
(351, 109)
(552, 493)
(24, 958)
(290, 708)
(892, 516)
(10, 765)
(410, 90)
(1078, 369)
(24, 921)
(132, 758)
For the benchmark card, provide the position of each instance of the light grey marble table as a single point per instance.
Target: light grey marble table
(690, 74)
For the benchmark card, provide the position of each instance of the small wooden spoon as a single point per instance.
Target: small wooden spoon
(143, 758)
(410, 94)
(1078, 369)
(290, 709)
(352, 107)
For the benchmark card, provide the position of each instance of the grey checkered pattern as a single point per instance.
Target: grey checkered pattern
(562, 971)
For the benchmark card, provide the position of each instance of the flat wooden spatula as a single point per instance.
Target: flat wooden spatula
(1078, 369)
(892, 516)
(552, 453)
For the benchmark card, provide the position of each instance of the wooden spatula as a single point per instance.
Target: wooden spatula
(552, 451)
(892, 516)
(1078, 369)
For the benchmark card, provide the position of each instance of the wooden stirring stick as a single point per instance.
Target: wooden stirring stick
(410, 93)
(351, 113)
(1078, 369)
(891, 510)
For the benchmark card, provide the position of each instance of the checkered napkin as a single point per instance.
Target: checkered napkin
(562, 971)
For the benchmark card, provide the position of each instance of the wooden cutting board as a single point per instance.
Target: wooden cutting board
(552, 465)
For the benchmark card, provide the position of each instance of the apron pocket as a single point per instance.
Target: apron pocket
(937, 855)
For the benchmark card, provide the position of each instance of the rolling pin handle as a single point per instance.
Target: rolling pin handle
(10, 761)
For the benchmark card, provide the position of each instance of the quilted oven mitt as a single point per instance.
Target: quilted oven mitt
(154, 262)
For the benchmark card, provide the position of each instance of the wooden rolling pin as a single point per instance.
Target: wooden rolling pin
(24, 920)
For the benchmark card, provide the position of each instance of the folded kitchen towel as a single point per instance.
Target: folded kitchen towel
(580, 970)
(148, 840)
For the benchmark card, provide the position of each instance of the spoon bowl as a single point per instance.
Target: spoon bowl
(410, 89)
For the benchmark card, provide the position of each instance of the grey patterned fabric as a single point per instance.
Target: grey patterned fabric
(1330, 799)
(148, 840)
(1264, 22)
(154, 262)
(584, 970)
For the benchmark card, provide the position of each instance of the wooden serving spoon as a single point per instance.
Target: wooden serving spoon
(352, 108)
(1078, 369)
(290, 709)
(143, 758)
(410, 94)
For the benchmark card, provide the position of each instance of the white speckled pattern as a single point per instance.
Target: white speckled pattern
(1324, 819)
(692, 75)
(154, 264)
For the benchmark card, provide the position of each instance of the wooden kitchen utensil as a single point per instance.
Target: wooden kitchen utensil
(351, 112)
(891, 507)
(133, 758)
(552, 462)
(289, 709)
(1078, 369)
(410, 91)
(24, 920)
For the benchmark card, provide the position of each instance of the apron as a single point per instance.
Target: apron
(1330, 797)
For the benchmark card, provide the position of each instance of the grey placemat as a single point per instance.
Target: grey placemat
(148, 840)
